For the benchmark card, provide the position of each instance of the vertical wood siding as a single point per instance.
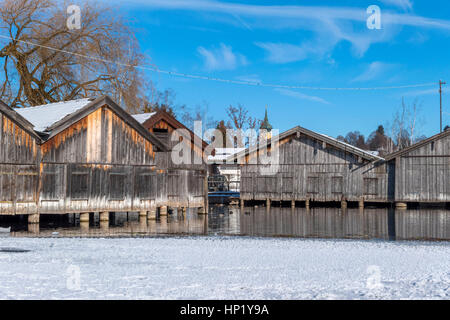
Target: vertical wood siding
(423, 174)
(19, 158)
(310, 169)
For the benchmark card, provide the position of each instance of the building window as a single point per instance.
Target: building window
(6, 183)
(261, 184)
(288, 184)
(79, 186)
(371, 186)
(26, 183)
(117, 186)
(173, 186)
(337, 185)
(49, 187)
(313, 185)
(146, 186)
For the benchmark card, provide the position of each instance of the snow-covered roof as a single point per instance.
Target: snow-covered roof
(44, 116)
(141, 118)
(372, 153)
(322, 137)
(222, 154)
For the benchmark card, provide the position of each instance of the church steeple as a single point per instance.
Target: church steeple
(265, 124)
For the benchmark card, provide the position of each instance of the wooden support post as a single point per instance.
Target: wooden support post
(307, 203)
(361, 203)
(151, 214)
(242, 203)
(143, 215)
(268, 203)
(33, 228)
(104, 225)
(293, 204)
(84, 217)
(343, 204)
(104, 216)
(84, 225)
(33, 218)
(205, 190)
(401, 205)
(163, 211)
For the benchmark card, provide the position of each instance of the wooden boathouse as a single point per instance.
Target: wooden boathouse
(186, 185)
(313, 167)
(81, 156)
(422, 171)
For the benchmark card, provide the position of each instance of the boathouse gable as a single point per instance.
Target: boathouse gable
(422, 171)
(186, 183)
(95, 157)
(314, 167)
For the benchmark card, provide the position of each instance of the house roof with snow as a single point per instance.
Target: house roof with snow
(143, 117)
(367, 155)
(51, 119)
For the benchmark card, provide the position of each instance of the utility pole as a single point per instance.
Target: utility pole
(440, 95)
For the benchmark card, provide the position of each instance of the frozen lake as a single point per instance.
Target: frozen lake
(323, 253)
(222, 268)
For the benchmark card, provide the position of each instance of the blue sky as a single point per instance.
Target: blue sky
(300, 43)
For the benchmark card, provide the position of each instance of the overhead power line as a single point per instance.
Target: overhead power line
(231, 81)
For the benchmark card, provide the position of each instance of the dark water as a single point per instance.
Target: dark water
(382, 223)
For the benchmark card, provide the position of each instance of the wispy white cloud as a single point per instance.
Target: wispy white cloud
(250, 78)
(284, 52)
(375, 70)
(300, 96)
(327, 36)
(222, 58)
(318, 13)
(329, 24)
(403, 4)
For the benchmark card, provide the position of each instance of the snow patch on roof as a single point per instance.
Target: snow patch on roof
(370, 153)
(46, 115)
(141, 118)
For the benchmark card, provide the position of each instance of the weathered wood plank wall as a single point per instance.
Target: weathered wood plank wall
(99, 164)
(185, 181)
(423, 174)
(19, 167)
(312, 170)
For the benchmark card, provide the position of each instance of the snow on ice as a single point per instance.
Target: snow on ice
(222, 268)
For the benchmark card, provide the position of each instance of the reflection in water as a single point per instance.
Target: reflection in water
(319, 223)
(381, 223)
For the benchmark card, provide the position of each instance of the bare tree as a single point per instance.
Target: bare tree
(405, 124)
(240, 118)
(44, 61)
(200, 113)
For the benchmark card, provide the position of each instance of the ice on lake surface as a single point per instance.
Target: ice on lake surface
(229, 254)
(223, 267)
(375, 223)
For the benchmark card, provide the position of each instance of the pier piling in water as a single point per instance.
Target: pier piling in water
(84, 217)
(104, 216)
(33, 218)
